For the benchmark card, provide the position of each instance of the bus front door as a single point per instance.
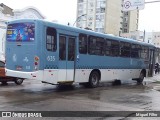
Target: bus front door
(151, 63)
(66, 58)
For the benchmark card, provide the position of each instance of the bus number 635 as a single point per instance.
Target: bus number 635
(51, 58)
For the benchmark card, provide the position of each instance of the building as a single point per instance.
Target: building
(6, 10)
(130, 21)
(156, 38)
(149, 37)
(6, 14)
(135, 35)
(106, 16)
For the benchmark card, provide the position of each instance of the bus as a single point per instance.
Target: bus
(59, 54)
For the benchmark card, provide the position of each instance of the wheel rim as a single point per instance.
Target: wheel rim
(94, 79)
(141, 76)
(19, 80)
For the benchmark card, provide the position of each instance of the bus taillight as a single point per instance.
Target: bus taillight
(36, 62)
(36, 58)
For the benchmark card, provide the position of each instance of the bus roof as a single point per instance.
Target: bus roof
(83, 31)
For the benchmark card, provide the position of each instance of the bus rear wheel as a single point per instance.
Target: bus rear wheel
(18, 81)
(141, 77)
(94, 79)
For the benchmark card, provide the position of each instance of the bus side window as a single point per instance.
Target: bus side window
(107, 47)
(62, 48)
(96, 45)
(115, 48)
(82, 43)
(91, 45)
(135, 51)
(51, 39)
(125, 49)
(145, 53)
(100, 46)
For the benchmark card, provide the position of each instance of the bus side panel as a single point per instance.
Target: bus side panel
(111, 68)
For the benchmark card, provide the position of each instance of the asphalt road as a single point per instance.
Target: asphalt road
(33, 95)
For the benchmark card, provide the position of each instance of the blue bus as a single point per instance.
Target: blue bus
(59, 54)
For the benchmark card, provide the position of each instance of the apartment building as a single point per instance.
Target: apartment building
(106, 16)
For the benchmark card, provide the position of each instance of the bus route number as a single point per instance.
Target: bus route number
(51, 58)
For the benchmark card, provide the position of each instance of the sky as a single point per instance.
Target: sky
(64, 11)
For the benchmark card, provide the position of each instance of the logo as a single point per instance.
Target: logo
(25, 59)
(14, 58)
(6, 114)
(127, 4)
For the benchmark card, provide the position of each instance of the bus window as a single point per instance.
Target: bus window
(135, 51)
(92, 45)
(51, 39)
(82, 43)
(111, 48)
(96, 45)
(107, 48)
(115, 48)
(145, 52)
(71, 49)
(99, 46)
(62, 48)
(125, 49)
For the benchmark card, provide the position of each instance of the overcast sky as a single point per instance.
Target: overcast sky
(64, 11)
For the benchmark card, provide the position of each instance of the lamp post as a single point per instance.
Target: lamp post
(79, 18)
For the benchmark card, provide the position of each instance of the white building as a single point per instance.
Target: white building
(7, 14)
(106, 16)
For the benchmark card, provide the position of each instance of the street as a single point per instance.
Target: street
(33, 95)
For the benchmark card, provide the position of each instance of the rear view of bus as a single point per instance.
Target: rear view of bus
(21, 57)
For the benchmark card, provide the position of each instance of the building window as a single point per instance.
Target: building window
(125, 31)
(51, 39)
(126, 13)
(80, 1)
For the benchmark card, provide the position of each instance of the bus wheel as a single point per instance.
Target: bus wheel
(4, 83)
(94, 79)
(18, 81)
(141, 77)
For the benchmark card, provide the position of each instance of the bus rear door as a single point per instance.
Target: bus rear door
(67, 48)
(151, 63)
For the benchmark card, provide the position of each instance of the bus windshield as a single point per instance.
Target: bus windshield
(21, 32)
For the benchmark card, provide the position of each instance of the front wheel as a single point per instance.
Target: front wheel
(94, 79)
(19, 81)
(141, 77)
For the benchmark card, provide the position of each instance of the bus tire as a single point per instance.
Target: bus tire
(18, 81)
(4, 83)
(94, 79)
(141, 77)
